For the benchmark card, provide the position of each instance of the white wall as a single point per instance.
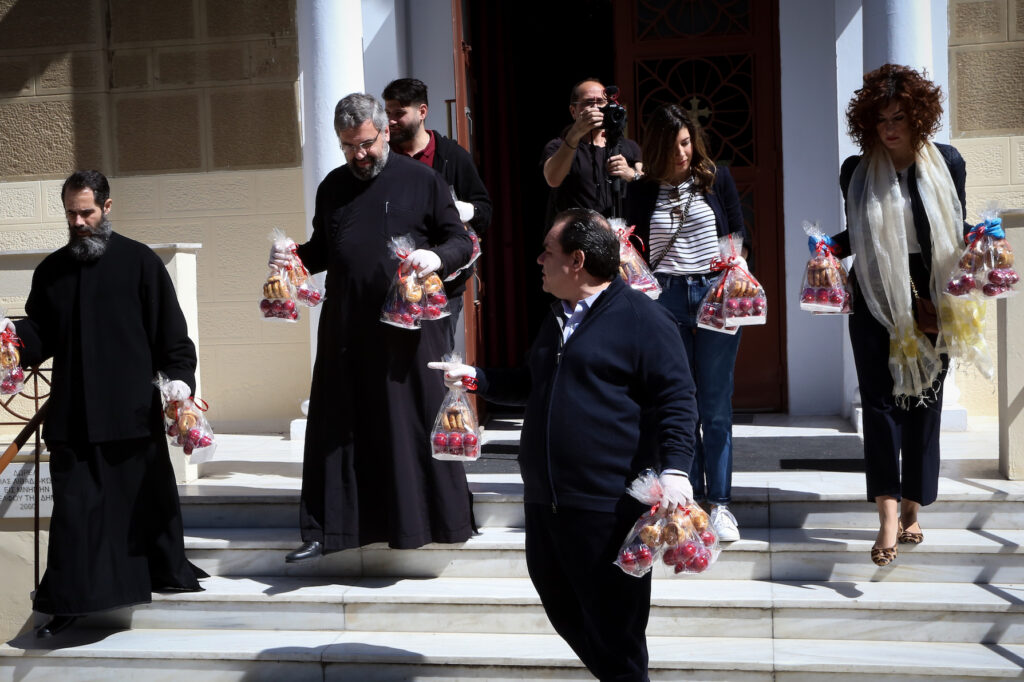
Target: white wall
(430, 57)
(811, 192)
(385, 41)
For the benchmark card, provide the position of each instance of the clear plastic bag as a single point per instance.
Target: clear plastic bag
(682, 538)
(826, 284)
(735, 298)
(632, 268)
(186, 424)
(412, 298)
(456, 433)
(476, 245)
(985, 268)
(12, 376)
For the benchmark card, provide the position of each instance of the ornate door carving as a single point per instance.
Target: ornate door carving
(719, 60)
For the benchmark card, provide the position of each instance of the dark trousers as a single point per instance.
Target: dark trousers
(599, 610)
(890, 431)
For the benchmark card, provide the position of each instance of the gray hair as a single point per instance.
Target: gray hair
(353, 109)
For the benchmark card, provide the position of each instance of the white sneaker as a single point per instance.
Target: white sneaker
(724, 523)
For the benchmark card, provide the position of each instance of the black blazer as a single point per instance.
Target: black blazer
(723, 199)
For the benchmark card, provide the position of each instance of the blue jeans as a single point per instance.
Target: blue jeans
(712, 358)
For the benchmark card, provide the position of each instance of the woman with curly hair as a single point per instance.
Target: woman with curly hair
(904, 215)
(680, 209)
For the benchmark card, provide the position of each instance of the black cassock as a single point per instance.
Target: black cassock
(368, 475)
(109, 325)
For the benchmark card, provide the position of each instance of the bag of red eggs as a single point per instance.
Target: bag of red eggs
(456, 433)
(826, 284)
(285, 289)
(682, 538)
(985, 269)
(632, 268)
(186, 424)
(12, 376)
(412, 298)
(736, 298)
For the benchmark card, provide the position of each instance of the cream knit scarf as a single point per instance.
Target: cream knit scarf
(879, 239)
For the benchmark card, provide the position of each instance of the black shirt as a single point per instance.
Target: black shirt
(588, 184)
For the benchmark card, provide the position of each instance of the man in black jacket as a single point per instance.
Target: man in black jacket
(104, 308)
(405, 101)
(608, 393)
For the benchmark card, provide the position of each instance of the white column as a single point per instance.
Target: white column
(330, 67)
(898, 32)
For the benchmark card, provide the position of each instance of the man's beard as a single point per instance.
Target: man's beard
(402, 134)
(90, 248)
(375, 169)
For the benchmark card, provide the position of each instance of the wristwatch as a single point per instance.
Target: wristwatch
(636, 175)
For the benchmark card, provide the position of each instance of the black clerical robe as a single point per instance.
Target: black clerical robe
(368, 475)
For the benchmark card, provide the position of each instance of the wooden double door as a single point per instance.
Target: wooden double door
(719, 59)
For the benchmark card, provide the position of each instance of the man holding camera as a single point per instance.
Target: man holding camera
(580, 166)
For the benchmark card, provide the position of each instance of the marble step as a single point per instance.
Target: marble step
(971, 556)
(308, 655)
(797, 499)
(934, 612)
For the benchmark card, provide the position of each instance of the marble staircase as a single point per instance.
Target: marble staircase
(796, 599)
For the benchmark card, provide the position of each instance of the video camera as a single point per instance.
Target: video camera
(614, 122)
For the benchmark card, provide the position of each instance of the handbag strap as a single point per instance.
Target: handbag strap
(675, 234)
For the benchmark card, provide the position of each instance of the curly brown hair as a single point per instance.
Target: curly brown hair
(660, 135)
(919, 99)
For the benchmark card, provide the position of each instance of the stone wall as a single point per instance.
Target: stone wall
(191, 109)
(986, 106)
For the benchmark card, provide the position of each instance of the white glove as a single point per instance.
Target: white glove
(281, 254)
(176, 390)
(6, 323)
(454, 372)
(676, 490)
(424, 261)
(466, 210)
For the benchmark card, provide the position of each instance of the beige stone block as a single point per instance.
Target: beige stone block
(158, 132)
(229, 322)
(72, 71)
(206, 194)
(47, 238)
(977, 21)
(137, 21)
(161, 231)
(233, 263)
(131, 68)
(20, 203)
(257, 126)
(136, 197)
(987, 158)
(275, 59)
(51, 137)
(1006, 196)
(54, 23)
(202, 64)
(988, 89)
(281, 191)
(1017, 20)
(226, 18)
(1017, 160)
(16, 76)
(260, 385)
(53, 205)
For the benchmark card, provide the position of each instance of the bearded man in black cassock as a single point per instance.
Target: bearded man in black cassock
(104, 308)
(368, 475)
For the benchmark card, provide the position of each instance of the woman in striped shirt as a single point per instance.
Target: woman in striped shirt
(681, 209)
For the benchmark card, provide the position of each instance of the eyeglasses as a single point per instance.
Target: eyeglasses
(347, 148)
(594, 102)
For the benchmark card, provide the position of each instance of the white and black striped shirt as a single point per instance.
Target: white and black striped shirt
(697, 242)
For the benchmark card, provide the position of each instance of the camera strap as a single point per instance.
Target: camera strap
(675, 233)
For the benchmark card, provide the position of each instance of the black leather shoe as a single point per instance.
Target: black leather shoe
(309, 550)
(56, 624)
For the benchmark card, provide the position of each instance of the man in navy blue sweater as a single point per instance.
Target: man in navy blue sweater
(608, 393)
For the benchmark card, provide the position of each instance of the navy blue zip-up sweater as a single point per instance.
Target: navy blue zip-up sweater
(616, 398)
